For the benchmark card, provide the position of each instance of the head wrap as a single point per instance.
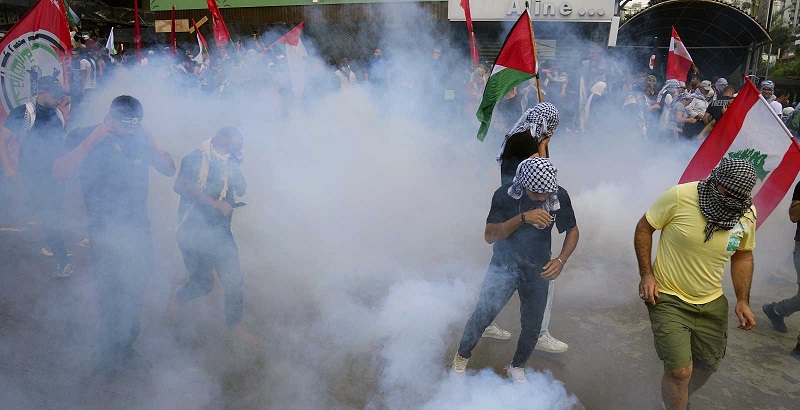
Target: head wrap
(537, 175)
(669, 87)
(682, 96)
(767, 84)
(721, 84)
(599, 88)
(723, 212)
(539, 120)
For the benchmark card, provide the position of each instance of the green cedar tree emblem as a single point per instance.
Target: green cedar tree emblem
(754, 157)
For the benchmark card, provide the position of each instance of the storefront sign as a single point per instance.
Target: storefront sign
(569, 10)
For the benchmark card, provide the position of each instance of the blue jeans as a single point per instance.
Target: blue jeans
(505, 275)
(788, 306)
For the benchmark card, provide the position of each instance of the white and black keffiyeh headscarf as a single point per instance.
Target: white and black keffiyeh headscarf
(537, 175)
(669, 87)
(738, 177)
(539, 120)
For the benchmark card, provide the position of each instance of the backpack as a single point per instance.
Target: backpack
(793, 123)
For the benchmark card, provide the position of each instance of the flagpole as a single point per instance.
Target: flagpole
(536, 58)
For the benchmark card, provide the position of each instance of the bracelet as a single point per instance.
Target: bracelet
(522, 217)
(562, 262)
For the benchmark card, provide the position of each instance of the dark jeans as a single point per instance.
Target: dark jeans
(505, 275)
(122, 265)
(46, 200)
(788, 306)
(205, 251)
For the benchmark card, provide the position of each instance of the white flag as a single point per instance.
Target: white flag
(110, 43)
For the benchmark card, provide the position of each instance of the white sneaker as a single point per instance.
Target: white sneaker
(494, 332)
(550, 344)
(459, 364)
(46, 251)
(64, 272)
(517, 374)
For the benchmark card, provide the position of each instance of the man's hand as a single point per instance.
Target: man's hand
(100, 132)
(747, 320)
(539, 217)
(552, 269)
(649, 288)
(223, 207)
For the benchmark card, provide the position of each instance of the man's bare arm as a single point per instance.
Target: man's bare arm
(742, 275)
(794, 211)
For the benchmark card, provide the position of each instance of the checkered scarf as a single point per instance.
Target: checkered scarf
(538, 175)
(738, 177)
(669, 87)
(539, 120)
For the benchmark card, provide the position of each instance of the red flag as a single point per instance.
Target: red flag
(38, 45)
(199, 36)
(652, 63)
(679, 60)
(137, 31)
(221, 35)
(173, 43)
(293, 36)
(750, 130)
(473, 45)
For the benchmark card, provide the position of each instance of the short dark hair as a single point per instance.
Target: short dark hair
(228, 131)
(126, 106)
(780, 92)
(729, 89)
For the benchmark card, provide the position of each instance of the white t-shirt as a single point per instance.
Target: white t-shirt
(777, 108)
(91, 67)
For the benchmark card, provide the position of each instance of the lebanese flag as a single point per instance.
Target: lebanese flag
(679, 61)
(39, 44)
(296, 57)
(751, 130)
(473, 45)
(515, 63)
(221, 35)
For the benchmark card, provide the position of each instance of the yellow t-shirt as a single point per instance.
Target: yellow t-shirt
(686, 266)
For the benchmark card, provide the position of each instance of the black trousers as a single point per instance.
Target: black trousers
(505, 275)
(122, 267)
(205, 251)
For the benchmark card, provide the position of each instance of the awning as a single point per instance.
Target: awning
(717, 35)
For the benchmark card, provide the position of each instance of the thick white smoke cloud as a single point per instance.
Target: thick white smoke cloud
(362, 246)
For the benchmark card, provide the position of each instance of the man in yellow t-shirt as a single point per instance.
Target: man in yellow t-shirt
(703, 225)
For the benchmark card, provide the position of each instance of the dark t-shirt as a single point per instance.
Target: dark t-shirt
(201, 215)
(519, 147)
(115, 182)
(508, 111)
(796, 197)
(528, 242)
(715, 107)
(41, 145)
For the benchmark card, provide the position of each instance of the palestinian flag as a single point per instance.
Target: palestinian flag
(515, 63)
(750, 130)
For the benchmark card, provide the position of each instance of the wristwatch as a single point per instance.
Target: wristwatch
(522, 217)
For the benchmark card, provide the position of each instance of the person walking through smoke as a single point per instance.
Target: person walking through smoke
(777, 311)
(703, 225)
(38, 127)
(530, 138)
(114, 159)
(519, 226)
(209, 180)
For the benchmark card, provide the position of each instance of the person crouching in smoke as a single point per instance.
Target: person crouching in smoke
(209, 180)
(519, 225)
(114, 159)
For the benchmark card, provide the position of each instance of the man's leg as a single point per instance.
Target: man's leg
(533, 300)
(201, 270)
(709, 341)
(671, 320)
(675, 388)
(788, 306)
(548, 307)
(498, 286)
(226, 263)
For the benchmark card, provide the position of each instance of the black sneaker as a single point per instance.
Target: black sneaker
(773, 316)
(796, 352)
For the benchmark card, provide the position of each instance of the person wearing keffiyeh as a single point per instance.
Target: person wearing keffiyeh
(209, 180)
(703, 225)
(519, 226)
(529, 136)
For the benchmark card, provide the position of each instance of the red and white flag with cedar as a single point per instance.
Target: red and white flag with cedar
(515, 63)
(296, 57)
(750, 130)
(38, 45)
(679, 61)
(202, 55)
